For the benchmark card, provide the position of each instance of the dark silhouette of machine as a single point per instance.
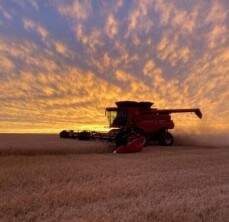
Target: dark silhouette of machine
(138, 118)
(130, 119)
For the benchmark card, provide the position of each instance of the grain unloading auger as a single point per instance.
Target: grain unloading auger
(135, 123)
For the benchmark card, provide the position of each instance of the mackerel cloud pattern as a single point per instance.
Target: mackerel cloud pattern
(63, 62)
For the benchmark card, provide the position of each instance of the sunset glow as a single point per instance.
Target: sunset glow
(63, 62)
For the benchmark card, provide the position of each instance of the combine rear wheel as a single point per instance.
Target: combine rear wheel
(166, 139)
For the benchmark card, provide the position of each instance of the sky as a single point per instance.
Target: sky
(63, 62)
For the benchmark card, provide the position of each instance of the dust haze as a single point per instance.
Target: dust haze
(201, 139)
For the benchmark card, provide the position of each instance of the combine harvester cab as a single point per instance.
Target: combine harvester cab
(138, 124)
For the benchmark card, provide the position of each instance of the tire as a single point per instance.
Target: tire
(125, 136)
(121, 139)
(166, 139)
(138, 133)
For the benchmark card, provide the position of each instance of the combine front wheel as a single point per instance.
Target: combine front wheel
(127, 135)
(121, 138)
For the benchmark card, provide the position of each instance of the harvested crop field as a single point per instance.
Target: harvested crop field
(43, 178)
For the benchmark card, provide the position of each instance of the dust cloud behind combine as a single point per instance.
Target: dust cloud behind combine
(201, 139)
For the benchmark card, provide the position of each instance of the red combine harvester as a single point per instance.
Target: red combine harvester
(135, 124)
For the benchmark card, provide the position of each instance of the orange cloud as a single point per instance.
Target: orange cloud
(6, 64)
(169, 50)
(179, 19)
(31, 25)
(111, 26)
(138, 18)
(77, 9)
(217, 14)
(217, 36)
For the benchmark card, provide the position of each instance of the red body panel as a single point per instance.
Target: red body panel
(136, 145)
(154, 123)
(142, 116)
(150, 121)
